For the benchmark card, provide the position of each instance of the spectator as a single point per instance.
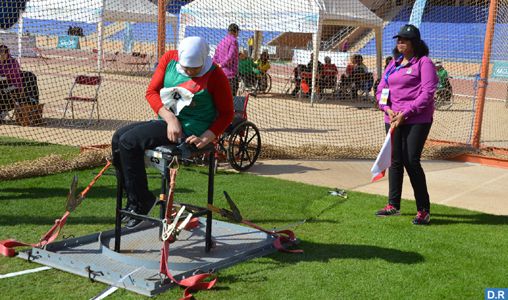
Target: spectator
(406, 96)
(226, 56)
(247, 69)
(329, 75)
(297, 74)
(388, 59)
(250, 45)
(358, 65)
(355, 78)
(185, 75)
(11, 83)
(442, 74)
(263, 62)
(304, 69)
(345, 45)
(311, 64)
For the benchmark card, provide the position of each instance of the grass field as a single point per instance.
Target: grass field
(14, 150)
(349, 253)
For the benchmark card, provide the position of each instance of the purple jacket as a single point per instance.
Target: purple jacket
(226, 55)
(10, 70)
(411, 88)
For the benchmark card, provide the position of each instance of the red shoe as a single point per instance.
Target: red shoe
(422, 218)
(388, 210)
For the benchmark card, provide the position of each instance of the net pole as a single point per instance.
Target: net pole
(161, 28)
(379, 52)
(484, 73)
(20, 38)
(316, 47)
(100, 32)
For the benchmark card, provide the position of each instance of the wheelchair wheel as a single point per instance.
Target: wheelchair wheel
(268, 83)
(244, 146)
(264, 85)
(443, 99)
(289, 86)
(241, 88)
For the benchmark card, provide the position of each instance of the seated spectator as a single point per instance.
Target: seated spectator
(297, 73)
(362, 78)
(444, 90)
(247, 69)
(357, 78)
(311, 64)
(329, 74)
(442, 74)
(263, 62)
(387, 62)
(298, 70)
(11, 84)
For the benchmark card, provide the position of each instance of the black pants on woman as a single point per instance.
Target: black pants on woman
(407, 146)
(128, 146)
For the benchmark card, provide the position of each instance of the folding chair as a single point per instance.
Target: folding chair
(84, 89)
(107, 58)
(39, 55)
(329, 80)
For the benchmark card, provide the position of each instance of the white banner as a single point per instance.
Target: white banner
(340, 59)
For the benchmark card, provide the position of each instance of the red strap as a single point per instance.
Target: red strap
(7, 246)
(85, 191)
(194, 282)
(281, 237)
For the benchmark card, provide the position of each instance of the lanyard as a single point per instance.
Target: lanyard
(392, 70)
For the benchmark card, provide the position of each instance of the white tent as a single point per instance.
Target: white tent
(95, 11)
(306, 16)
(92, 11)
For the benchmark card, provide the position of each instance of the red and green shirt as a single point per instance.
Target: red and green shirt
(212, 104)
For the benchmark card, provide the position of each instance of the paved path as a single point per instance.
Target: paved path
(465, 185)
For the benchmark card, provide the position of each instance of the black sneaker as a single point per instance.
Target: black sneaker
(126, 218)
(388, 210)
(144, 210)
(422, 218)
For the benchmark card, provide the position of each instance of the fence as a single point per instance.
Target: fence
(119, 43)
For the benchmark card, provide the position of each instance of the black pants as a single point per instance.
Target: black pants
(407, 146)
(233, 83)
(6, 101)
(128, 145)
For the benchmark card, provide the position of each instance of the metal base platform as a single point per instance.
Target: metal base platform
(136, 267)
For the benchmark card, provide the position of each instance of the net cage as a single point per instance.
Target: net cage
(302, 110)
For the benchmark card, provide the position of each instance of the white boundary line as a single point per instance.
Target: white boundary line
(108, 291)
(487, 98)
(14, 274)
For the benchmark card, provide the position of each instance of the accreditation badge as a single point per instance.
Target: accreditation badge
(385, 93)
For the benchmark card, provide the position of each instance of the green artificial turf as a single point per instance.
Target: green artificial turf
(349, 253)
(14, 150)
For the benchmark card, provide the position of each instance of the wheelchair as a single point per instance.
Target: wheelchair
(357, 84)
(443, 98)
(257, 85)
(240, 144)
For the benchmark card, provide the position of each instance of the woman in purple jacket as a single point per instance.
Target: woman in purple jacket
(226, 56)
(406, 95)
